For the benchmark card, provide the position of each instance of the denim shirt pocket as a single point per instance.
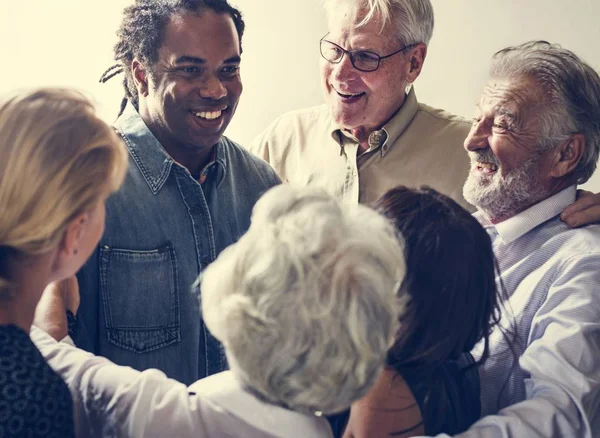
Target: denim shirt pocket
(139, 292)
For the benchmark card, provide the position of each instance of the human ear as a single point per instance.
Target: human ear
(72, 240)
(568, 155)
(416, 58)
(140, 77)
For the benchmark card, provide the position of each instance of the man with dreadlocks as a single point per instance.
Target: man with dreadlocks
(188, 194)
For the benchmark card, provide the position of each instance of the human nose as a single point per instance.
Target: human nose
(344, 69)
(212, 88)
(478, 136)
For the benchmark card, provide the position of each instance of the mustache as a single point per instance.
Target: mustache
(485, 156)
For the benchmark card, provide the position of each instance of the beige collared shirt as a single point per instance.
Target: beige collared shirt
(419, 146)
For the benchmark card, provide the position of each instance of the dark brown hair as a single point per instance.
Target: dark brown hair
(450, 279)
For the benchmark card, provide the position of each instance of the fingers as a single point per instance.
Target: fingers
(584, 201)
(584, 211)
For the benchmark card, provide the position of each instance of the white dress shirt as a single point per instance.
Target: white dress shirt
(116, 401)
(549, 386)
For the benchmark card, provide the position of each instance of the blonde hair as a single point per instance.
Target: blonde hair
(305, 303)
(57, 158)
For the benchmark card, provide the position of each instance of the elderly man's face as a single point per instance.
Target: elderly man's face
(510, 170)
(363, 100)
(194, 88)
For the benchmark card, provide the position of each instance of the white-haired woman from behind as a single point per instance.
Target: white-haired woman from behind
(58, 164)
(305, 305)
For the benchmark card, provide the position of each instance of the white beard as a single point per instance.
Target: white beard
(501, 197)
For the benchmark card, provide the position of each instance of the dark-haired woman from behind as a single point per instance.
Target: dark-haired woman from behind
(430, 384)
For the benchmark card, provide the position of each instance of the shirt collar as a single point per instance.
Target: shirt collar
(385, 137)
(147, 152)
(225, 390)
(520, 224)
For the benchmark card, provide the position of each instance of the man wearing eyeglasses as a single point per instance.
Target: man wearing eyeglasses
(371, 135)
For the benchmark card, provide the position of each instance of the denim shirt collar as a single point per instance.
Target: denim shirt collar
(154, 162)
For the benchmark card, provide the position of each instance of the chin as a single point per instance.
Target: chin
(345, 120)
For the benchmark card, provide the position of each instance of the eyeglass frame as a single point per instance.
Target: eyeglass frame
(351, 54)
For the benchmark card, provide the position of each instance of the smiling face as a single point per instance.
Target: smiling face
(510, 170)
(189, 96)
(363, 101)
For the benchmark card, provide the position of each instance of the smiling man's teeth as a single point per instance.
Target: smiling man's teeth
(349, 95)
(209, 115)
(487, 166)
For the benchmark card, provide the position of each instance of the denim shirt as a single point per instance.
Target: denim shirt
(138, 306)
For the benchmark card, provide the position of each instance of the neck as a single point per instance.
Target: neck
(556, 186)
(194, 161)
(31, 275)
(192, 157)
(362, 133)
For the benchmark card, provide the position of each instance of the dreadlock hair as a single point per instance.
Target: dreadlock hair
(141, 35)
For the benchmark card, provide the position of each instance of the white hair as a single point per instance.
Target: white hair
(572, 90)
(306, 303)
(412, 19)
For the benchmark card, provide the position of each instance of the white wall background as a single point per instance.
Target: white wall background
(69, 42)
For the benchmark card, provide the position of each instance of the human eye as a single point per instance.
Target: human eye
(230, 71)
(331, 51)
(365, 60)
(189, 69)
(366, 56)
(502, 125)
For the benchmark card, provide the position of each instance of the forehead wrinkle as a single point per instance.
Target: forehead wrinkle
(509, 99)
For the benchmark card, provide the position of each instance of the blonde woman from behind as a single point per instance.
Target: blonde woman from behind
(58, 164)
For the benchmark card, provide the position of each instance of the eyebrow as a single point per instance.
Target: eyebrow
(504, 112)
(195, 60)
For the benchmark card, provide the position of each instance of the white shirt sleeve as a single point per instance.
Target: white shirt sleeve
(562, 359)
(112, 400)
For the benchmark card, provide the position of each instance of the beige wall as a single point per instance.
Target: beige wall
(68, 42)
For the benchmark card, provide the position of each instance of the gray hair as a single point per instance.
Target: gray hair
(306, 302)
(413, 19)
(572, 88)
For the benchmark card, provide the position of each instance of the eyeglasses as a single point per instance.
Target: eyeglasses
(362, 60)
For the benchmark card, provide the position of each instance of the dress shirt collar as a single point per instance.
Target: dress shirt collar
(153, 161)
(225, 390)
(385, 137)
(519, 225)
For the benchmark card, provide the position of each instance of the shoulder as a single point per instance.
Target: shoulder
(303, 117)
(292, 133)
(27, 377)
(244, 161)
(584, 241)
(444, 118)
(294, 124)
(580, 247)
(389, 408)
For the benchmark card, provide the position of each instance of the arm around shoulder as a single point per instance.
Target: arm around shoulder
(562, 359)
(112, 400)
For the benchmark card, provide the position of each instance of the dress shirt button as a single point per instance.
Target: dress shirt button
(377, 138)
